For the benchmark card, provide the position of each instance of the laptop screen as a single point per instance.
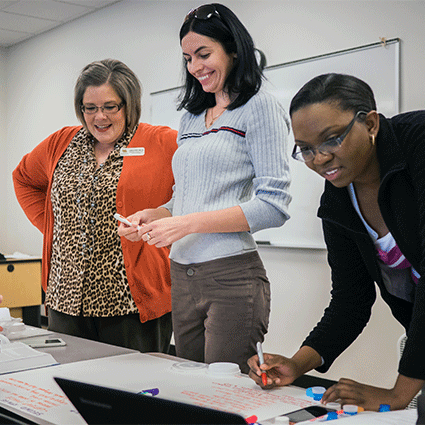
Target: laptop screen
(102, 405)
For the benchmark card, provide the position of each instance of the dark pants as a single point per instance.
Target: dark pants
(220, 308)
(125, 331)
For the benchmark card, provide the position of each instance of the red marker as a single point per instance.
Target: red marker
(261, 359)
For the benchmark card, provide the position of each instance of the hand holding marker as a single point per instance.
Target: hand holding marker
(261, 360)
(121, 218)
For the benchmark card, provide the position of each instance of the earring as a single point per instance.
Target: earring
(373, 139)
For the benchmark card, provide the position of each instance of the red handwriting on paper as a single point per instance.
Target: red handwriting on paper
(29, 398)
(233, 398)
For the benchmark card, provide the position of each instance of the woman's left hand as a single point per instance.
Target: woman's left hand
(165, 231)
(347, 391)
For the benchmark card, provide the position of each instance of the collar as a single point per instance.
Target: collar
(390, 155)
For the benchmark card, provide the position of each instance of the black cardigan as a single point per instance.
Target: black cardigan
(352, 255)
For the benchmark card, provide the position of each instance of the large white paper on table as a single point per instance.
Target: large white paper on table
(35, 393)
(397, 417)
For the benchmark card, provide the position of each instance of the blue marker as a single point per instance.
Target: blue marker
(152, 392)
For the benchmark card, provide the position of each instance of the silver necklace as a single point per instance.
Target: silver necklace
(214, 118)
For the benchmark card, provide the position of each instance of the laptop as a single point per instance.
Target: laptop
(102, 405)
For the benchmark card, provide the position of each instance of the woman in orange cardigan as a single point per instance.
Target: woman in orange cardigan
(97, 285)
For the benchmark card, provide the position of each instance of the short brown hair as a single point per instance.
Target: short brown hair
(122, 79)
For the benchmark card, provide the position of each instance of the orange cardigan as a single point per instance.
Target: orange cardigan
(145, 182)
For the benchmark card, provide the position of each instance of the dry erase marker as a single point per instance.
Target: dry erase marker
(121, 218)
(261, 358)
(153, 392)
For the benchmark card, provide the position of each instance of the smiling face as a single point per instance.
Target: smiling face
(355, 161)
(207, 61)
(105, 128)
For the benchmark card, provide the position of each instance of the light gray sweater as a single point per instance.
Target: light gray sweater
(242, 159)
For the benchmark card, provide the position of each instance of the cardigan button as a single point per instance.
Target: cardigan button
(190, 272)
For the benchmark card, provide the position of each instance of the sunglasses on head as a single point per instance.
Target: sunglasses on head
(204, 12)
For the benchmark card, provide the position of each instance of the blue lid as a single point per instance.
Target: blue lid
(331, 416)
(384, 407)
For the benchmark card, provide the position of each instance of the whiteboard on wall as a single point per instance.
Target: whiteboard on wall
(376, 63)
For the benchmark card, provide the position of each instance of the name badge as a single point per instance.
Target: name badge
(132, 151)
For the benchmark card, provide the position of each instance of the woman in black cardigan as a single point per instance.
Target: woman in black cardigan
(373, 216)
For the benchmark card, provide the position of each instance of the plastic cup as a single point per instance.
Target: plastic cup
(318, 392)
(223, 369)
(190, 367)
(350, 409)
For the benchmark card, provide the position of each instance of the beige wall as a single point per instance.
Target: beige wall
(3, 158)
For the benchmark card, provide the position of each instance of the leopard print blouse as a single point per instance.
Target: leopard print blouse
(87, 274)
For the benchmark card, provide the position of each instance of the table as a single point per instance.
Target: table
(34, 394)
(121, 361)
(77, 349)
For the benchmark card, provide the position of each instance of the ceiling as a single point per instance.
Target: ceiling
(23, 19)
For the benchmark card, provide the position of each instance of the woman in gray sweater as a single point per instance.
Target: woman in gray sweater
(231, 179)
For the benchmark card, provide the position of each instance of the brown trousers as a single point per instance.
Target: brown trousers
(220, 308)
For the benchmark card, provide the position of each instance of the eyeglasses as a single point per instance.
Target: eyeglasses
(308, 153)
(204, 12)
(106, 109)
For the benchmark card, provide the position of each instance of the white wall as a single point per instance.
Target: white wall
(3, 160)
(144, 34)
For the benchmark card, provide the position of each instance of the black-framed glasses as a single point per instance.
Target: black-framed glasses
(111, 108)
(308, 153)
(204, 12)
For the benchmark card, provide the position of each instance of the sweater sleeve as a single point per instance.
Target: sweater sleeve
(352, 297)
(267, 140)
(410, 129)
(31, 178)
(169, 205)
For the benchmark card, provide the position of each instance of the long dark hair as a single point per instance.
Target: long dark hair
(348, 92)
(246, 76)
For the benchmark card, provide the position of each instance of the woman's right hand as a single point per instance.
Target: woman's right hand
(280, 370)
(139, 219)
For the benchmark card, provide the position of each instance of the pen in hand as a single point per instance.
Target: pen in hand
(122, 219)
(261, 359)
